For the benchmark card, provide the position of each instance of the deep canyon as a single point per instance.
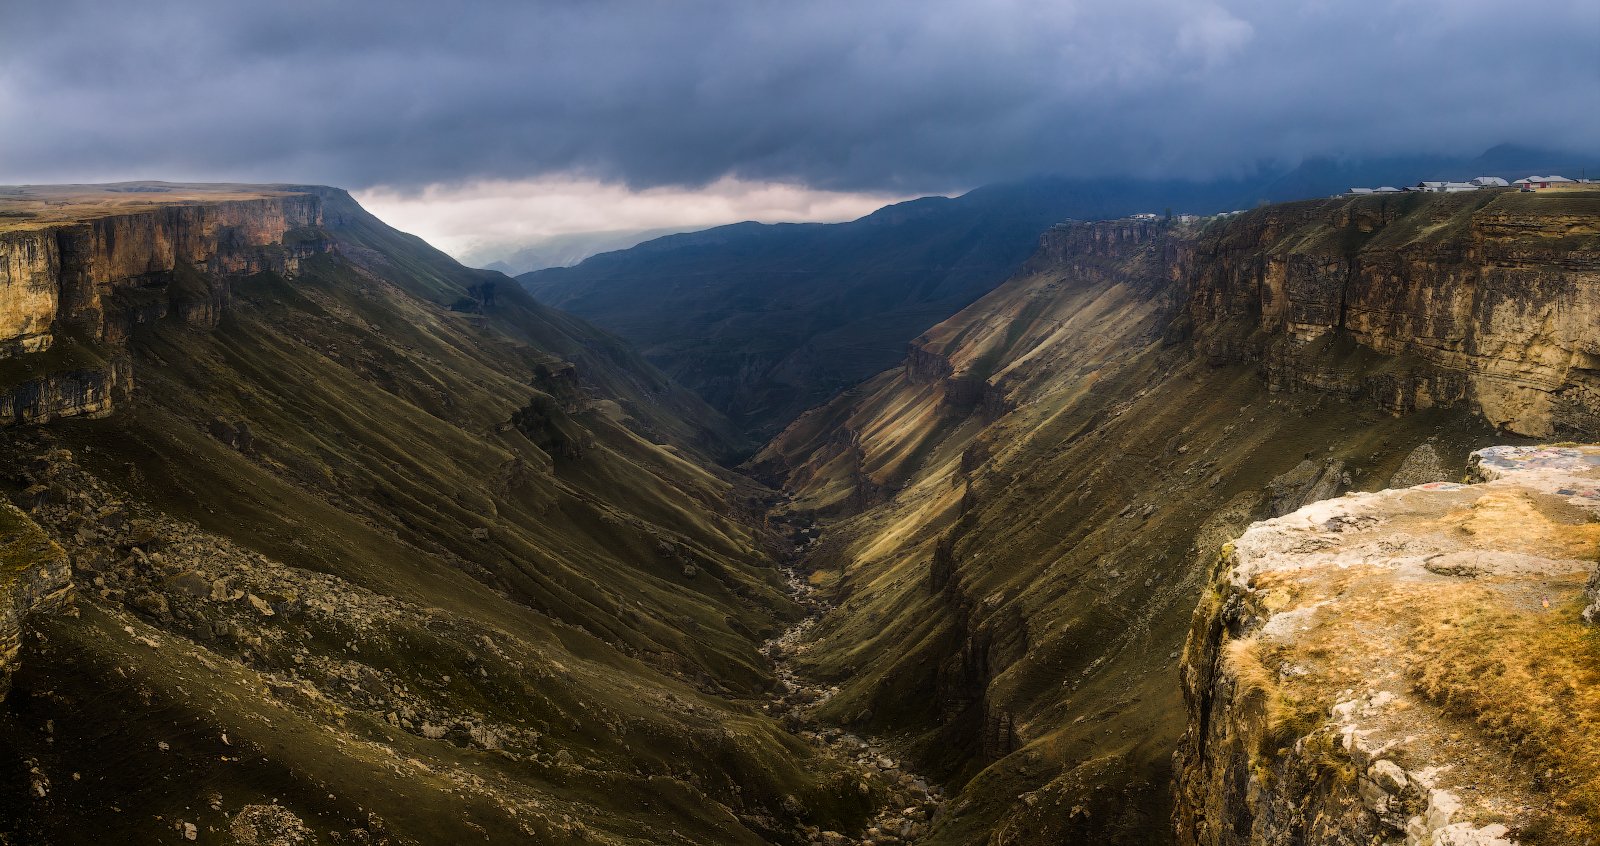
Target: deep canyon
(314, 535)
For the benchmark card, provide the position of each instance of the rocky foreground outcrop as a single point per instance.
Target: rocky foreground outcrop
(35, 577)
(1403, 666)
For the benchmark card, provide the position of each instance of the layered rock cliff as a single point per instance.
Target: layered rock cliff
(81, 265)
(1412, 302)
(66, 271)
(1407, 665)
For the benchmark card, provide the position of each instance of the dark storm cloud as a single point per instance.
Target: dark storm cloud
(855, 95)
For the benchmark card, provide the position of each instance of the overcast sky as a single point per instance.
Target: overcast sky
(839, 104)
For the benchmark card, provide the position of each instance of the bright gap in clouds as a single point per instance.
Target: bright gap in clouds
(483, 222)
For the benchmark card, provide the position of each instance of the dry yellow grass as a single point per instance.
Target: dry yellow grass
(1510, 520)
(1525, 680)
(1532, 682)
(1504, 690)
(1286, 713)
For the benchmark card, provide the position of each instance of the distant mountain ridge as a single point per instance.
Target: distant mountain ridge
(767, 320)
(562, 250)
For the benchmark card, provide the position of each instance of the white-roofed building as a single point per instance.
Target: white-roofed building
(1489, 182)
(1542, 182)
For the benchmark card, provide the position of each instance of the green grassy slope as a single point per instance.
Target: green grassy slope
(398, 570)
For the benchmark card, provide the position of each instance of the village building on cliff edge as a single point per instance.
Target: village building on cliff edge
(1527, 183)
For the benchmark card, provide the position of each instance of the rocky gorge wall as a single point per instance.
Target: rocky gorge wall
(1409, 302)
(350, 486)
(1019, 590)
(65, 271)
(84, 281)
(1412, 301)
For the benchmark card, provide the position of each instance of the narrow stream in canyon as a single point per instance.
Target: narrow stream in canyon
(914, 802)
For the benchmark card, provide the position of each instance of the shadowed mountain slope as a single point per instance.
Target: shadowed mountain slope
(372, 546)
(765, 321)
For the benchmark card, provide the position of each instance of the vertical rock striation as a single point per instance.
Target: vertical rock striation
(78, 271)
(1413, 302)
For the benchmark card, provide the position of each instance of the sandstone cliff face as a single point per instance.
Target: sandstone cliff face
(1485, 298)
(1478, 300)
(96, 273)
(1404, 665)
(90, 389)
(67, 270)
(30, 288)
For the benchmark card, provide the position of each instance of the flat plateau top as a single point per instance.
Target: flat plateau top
(25, 207)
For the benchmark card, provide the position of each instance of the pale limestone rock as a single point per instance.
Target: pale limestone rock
(1423, 465)
(1443, 806)
(1389, 776)
(30, 266)
(1342, 589)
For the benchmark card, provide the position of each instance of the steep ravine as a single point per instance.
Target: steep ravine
(379, 551)
(367, 547)
(1020, 521)
(913, 803)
